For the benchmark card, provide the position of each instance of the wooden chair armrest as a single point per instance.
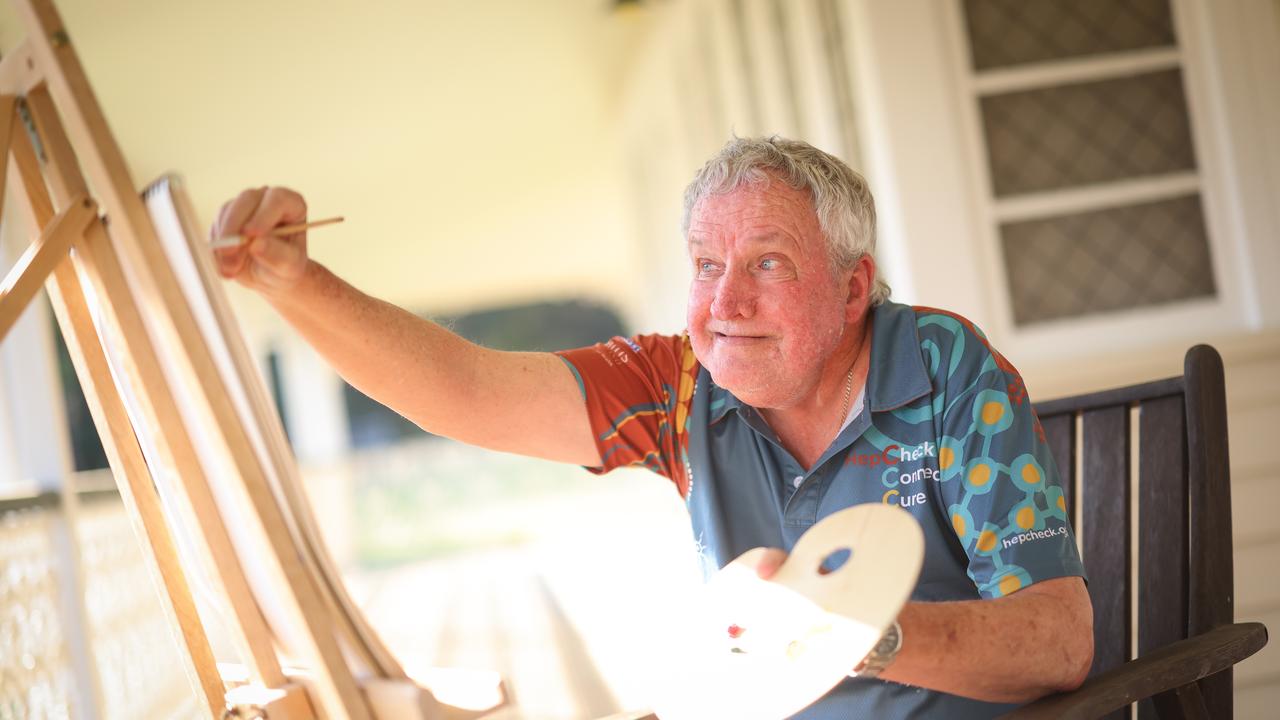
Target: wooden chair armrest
(1170, 667)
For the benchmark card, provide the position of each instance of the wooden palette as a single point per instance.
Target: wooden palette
(751, 649)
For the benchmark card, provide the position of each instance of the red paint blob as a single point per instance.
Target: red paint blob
(735, 631)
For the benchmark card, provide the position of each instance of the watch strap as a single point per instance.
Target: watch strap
(882, 654)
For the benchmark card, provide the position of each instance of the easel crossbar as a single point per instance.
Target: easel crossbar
(39, 260)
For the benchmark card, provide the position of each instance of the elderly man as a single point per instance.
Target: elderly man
(797, 390)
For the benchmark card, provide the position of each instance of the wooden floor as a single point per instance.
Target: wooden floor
(492, 611)
(565, 621)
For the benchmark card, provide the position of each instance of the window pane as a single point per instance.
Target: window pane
(1110, 259)
(1087, 133)
(1013, 32)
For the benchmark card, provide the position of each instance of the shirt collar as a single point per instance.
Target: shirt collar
(897, 374)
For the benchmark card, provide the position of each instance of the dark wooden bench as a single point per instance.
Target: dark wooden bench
(1173, 434)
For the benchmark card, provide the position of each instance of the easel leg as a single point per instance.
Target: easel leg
(99, 261)
(119, 442)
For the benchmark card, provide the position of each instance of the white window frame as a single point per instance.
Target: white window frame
(1232, 305)
(928, 166)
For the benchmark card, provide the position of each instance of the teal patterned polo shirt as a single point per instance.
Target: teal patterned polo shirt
(946, 431)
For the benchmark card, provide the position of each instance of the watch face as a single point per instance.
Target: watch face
(891, 642)
(882, 654)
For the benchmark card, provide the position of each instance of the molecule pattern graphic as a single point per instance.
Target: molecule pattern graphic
(966, 457)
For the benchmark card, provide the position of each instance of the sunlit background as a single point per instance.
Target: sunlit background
(1092, 182)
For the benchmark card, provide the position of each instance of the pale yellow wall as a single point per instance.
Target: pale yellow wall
(466, 143)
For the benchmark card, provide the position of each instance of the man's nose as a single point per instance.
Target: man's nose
(735, 297)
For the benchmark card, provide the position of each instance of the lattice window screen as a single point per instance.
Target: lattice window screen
(1014, 32)
(1088, 95)
(1107, 260)
(1087, 133)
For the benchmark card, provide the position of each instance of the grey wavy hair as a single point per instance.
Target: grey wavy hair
(846, 211)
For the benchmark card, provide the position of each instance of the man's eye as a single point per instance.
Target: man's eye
(770, 264)
(706, 267)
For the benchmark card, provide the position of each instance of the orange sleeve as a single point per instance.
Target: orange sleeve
(637, 392)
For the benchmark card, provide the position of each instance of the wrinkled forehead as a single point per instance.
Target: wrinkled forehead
(754, 208)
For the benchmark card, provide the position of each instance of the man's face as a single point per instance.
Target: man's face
(766, 312)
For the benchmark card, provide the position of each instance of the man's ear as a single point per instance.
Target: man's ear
(860, 284)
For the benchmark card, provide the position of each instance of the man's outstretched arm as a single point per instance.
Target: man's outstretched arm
(526, 403)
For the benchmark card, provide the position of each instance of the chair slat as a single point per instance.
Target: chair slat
(1105, 471)
(1060, 433)
(1209, 488)
(1162, 524)
(1184, 552)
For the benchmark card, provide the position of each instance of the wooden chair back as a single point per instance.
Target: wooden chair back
(1147, 477)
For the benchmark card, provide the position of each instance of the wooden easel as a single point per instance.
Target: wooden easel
(164, 400)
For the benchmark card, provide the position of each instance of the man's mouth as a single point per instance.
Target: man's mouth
(736, 338)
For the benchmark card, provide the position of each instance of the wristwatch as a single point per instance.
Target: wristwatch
(882, 654)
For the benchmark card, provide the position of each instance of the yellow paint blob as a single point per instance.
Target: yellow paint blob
(980, 475)
(1010, 584)
(986, 541)
(1062, 503)
(992, 412)
(957, 522)
(946, 456)
(1026, 518)
(1030, 474)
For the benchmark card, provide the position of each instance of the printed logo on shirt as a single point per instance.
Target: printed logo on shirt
(893, 454)
(919, 452)
(893, 497)
(1032, 536)
(613, 354)
(892, 478)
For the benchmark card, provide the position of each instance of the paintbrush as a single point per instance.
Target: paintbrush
(230, 241)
